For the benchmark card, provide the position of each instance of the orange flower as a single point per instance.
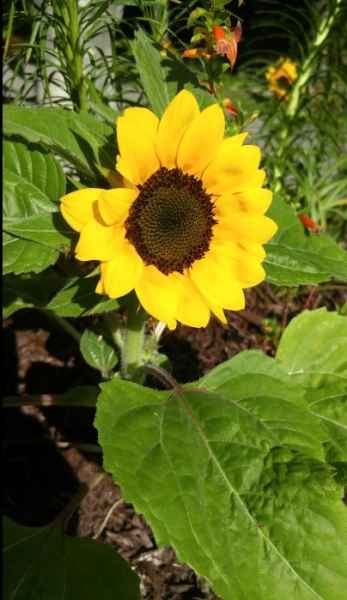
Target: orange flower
(229, 107)
(195, 53)
(309, 223)
(281, 77)
(227, 41)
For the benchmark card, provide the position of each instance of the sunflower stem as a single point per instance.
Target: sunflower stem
(132, 352)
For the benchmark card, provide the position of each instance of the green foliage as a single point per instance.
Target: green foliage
(151, 72)
(74, 297)
(252, 444)
(163, 77)
(33, 182)
(294, 257)
(22, 256)
(243, 471)
(98, 353)
(319, 366)
(77, 298)
(81, 139)
(43, 562)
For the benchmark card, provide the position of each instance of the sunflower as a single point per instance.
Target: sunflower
(186, 229)
(281, 76)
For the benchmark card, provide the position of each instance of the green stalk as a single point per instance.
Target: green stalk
(71, 47)
(132, 352)
(306, 71)
(9, 30)
(64, 324)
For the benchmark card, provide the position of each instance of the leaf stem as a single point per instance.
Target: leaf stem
(64, 324)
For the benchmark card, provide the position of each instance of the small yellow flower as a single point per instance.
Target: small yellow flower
(281, 76)
(186, 230)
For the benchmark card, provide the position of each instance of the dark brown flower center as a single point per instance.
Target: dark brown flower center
(170, 223)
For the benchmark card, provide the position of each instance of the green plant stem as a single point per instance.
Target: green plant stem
(64, 324)
(71, 47)
(306, 71)
(114, 327)
(133, 341)
(9, 30)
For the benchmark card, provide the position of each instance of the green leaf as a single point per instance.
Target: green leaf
(313, 350)
(48, 229)
(80, 395)
(43, 562)
(262, 386)
(33, 182)
(27, 291)
(81, 139)
(294, 258)
(197, 464)
(97, 352)
(78, 298)
(152, 74)
(22, 256)
(72, 298)
(36, 167)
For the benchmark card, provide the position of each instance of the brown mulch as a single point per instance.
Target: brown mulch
(50, 451)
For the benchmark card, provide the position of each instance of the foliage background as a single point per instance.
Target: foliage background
(82, 64)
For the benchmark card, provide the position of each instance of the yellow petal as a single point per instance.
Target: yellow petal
(253, 200)
(201, 140)
(98, 242)
(229, 144)
(192, 310)
(228, 172)
(77, 207)
(248, 270)
(100, 287)
(258, 178)
(172, 324)
(218, 312)
(253, 249)
(114, 204)
(136, 133)
(213, 275)
(120, 275)
(182, 110)
(159, 294)
(245, 226)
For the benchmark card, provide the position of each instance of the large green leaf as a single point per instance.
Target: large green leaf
(78, 298)
(43, 563)
(22, 256)
(294, 258)
(36, 167)
(270, 394)
(313, 350)
(152, 74)
(33, 182)
(217, 473)
(81, 139)
(26, 291)
(48, 229)
(67, 298)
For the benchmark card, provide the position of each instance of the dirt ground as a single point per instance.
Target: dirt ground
(50, 450)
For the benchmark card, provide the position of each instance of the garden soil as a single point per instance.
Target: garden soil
(50, 451)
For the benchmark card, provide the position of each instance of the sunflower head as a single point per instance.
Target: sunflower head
(186, 229)
(281, 77)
